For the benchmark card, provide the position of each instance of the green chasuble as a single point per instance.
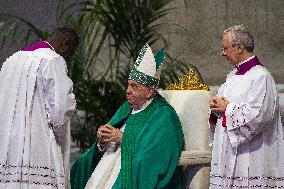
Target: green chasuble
(151, 146)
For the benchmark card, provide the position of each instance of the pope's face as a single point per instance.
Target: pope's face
(137, 94)
(229, 51)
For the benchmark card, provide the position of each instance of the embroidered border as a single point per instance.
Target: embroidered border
(6, 170)
(252, 186)
(30, 167)
(31, 182)
(268, 178)
(250, 178)
(141, 55)
(28, 174)
(143, 78)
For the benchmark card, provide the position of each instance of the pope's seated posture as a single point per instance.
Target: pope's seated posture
(142, 142)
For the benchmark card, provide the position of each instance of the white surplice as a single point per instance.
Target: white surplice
(36, 100)
(249, 151)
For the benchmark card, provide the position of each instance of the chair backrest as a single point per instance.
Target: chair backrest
(192, 108)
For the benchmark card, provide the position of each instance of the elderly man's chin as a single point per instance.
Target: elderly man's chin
(133, 105)
(130, 101)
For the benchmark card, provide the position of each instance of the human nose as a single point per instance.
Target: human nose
(128, 90)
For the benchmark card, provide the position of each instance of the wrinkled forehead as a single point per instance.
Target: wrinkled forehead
(133, 83)
(226, 38)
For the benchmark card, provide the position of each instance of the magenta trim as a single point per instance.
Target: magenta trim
(243, 68)
(37, 45)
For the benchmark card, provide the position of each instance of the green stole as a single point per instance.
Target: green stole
(134, 126)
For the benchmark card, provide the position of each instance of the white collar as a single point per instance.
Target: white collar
(50, 46)
(248, 59)
(143, 107)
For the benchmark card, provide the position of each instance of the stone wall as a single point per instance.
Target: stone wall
(41, 13)
(195, 27)
(193, 31)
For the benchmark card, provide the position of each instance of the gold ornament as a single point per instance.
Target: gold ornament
(190, 81)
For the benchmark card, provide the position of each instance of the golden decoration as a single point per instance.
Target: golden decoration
(190, 81)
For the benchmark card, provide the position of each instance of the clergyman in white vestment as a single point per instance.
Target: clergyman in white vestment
(248, 150)
(36, 100)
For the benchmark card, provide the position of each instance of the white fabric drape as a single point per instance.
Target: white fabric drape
(107, 170)
(65, 149)
(36, 100)
(249, 152)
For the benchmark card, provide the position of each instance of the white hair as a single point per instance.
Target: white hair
(241, 34)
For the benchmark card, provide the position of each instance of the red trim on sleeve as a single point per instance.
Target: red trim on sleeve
(224, 119)
(212, 119)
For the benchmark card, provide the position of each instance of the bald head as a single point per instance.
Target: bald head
(64, 40)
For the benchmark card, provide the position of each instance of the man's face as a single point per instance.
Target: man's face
(229, 51)
(137, 94)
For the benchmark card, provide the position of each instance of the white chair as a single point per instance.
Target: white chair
(192, 109)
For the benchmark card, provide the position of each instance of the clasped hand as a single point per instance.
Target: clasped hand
(217, 104)
(107, 133)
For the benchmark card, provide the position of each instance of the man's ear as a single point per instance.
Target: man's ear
(240, 48)
(150, 92)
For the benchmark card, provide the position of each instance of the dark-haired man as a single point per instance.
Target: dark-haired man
(36, 100)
